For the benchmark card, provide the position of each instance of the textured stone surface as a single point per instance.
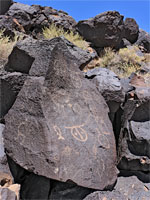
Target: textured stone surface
(109, 86)
(104, 30)
(33, 56)
(60, 127)
(131, 30)
(4, 6)
(10, 85)
(106, 196)
(132, 188)
(143, 40)
(31, 19)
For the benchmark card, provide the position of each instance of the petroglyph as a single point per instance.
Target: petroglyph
(76, 80)
(58, 132)
(78, 133)
(103, 140)
(67, 151)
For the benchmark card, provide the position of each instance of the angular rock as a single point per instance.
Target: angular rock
(32, 19)
(109, 86)
(59, 127)
(143, 41)
(104, 30)
(33, 56)
(106, 196)
(10, 85)
(132, 188)
(1, 141)
(131, 30)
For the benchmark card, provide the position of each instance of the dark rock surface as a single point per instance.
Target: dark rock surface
(31, 19)
(62, 124)
(33, 56)
(10, 85)
(4, 6)
(109, 86)
(131, 30)
(143, 40)
(106, 196)
(104, 30)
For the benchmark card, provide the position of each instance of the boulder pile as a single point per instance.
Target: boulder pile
(66, 133)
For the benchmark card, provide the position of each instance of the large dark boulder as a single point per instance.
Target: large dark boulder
(32, 56)
(32, 19)
(131, 30)
(143, 41)
(104, 30)
(59, 128)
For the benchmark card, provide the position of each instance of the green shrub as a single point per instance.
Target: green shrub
(53, 31)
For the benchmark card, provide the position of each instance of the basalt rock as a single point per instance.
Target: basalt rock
(104, 30)
(32, 56)
(31, 19)
(143, 41)
(10, 85)
(131, 30)
(109, 86)
(4, 6)
(101, 195)
(59, 128)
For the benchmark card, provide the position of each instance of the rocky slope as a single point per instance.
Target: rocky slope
(70, 134)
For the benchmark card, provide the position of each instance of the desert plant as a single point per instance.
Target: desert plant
(54, 31)
(6, 45)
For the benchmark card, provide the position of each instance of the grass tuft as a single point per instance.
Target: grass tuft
(54, 31)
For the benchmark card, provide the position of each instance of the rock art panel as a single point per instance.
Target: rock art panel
(59, 127)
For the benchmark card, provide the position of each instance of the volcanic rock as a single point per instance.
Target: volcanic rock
(11, 192)
(104, 30)
(131, 30)
(59, 127)
(4, 6)
(33, 56)
(101, 195)
(10, 85)
(109, 86)
(31, 19)
(143, 41)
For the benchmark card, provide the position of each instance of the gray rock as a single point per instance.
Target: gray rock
(104, 30)
(33, 56)
(1, 141)
(132, 188)
(131, 30)
(143, 40)
(10, 85)
(109, 86)
(59, 127)
(101, 195)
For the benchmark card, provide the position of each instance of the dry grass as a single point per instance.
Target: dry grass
(6, 46)
(53, 31)
(123, 62)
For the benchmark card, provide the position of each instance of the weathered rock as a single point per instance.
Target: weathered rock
(10, 193)
(132, 188)
(104, 30)
(1, 141)
(131, 30)
(143, 41)
(31, 19)
(4, 6)
(33, 56)
(109, 86)
(106, 196)
(10, 85)
(60, 127)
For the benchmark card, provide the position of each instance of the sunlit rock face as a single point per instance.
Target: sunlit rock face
(59, 127)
